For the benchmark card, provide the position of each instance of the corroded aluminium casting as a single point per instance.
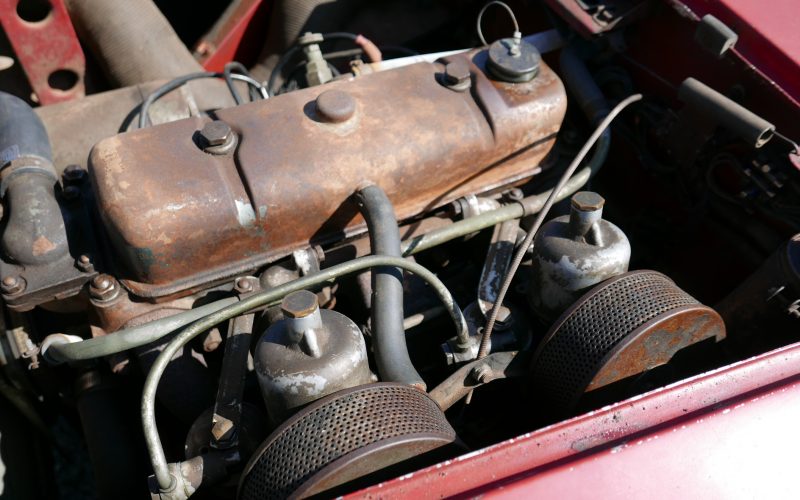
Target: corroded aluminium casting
(180, 218)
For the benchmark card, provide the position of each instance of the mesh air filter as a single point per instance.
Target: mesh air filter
(623, 326)
(344, 436)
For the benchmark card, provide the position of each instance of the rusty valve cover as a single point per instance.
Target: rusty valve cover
(183, 210)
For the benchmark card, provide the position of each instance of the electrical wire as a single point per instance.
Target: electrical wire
(326, 37)
(528, 241)
(155, 449)
(278, 69)
(788, 141)
(294, 49)
(228, 75)
(510, 12)
(144, 119)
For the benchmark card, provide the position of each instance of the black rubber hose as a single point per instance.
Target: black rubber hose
(391, 352)
(22, 133)
(590, 99)
(582, 86)
(114, 450)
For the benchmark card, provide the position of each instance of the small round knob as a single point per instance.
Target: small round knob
(335, 106)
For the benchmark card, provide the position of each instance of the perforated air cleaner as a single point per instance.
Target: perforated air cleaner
(342, 437)
(620, 328)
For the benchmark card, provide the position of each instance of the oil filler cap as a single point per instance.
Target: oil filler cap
(513, 60)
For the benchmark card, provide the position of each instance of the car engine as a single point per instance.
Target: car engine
(344, 246)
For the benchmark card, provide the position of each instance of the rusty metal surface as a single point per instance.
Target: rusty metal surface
(103, 115)
(621, 328)
(495, 366)
(64, 275)
(342, 437)
(48, 50)
(171, 209)
(656, 342)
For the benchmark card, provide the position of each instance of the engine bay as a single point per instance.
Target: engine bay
(367, 249)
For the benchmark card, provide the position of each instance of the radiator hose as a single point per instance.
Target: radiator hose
(34, 233)
(391, 352)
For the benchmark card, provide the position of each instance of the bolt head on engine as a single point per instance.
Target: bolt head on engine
(217, 138)
(457, 76)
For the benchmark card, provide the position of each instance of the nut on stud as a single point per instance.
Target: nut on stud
(103, 287)
(84, 263)
(13, 285)
(481, 372)
(244, 284)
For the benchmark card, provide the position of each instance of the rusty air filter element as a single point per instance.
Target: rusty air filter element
(344, 436)
(620, 328)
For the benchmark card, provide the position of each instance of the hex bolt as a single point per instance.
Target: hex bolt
(84, 263)
(216, 133)
(299, 304)
(457, 75)
(217, 137)
(587, 210)
(587, 201)
(12, 285)
(104, 287)
(222, 428)
(74, 173)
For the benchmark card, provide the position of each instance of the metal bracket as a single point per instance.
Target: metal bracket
(47, 49)
(228, 406)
